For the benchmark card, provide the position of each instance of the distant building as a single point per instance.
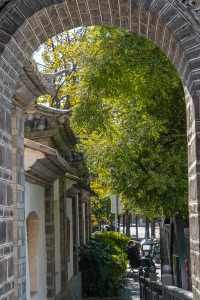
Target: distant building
(116, 205)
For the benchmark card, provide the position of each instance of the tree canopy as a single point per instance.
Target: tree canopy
(128, 109)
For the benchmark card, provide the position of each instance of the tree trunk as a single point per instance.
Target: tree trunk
(124, 223)
(119, 221)
(128, 221)
(147, 233)
(136, 227)
(99, 225)
(166, 245)
(153, 229)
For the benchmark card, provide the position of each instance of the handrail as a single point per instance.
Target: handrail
(150, 290)
(178, 293)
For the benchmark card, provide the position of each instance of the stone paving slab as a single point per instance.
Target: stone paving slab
(130, 292)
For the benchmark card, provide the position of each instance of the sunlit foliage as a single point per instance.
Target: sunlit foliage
(128, 109)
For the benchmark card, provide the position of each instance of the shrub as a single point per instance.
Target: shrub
(115, 238)
(103, 264)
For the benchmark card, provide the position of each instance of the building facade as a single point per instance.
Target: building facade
(56, 207)
(52, 218)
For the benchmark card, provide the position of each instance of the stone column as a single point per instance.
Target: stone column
(87, 226)
(50, 242)
(18, 201)
(64, 232)
(81, 223)
(76, 241)
(193, 126)
(88, 219)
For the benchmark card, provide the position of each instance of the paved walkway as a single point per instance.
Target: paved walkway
(131, 290)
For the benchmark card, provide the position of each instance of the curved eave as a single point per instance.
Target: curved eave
(49, 111)
(44, 163)
(32, 84)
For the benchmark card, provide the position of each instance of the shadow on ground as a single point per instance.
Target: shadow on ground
(131, 290)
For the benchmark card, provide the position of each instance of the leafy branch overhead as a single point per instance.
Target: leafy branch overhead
(128, 109)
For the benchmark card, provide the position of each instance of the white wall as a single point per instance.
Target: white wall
(35, 202)
(31, 156)
(69, 216)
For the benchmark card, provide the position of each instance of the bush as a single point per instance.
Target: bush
(115, 238)
(103, 262)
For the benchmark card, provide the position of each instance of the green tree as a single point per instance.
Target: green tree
(128, 109)
(101, 211)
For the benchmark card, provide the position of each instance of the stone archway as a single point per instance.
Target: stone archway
(25, 24)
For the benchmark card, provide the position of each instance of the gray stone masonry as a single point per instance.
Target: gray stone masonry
(50, 242)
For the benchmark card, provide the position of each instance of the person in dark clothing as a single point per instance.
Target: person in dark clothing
(133, 254)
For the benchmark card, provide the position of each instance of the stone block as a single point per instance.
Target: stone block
(2, 156)
(2, 232)
(2, 118)
(10, 267)
(3, 271)
(2, 193)
(22, 268)
(8, 159)
(8, 122)
(9, 195)
(9, 231)
(12, 296)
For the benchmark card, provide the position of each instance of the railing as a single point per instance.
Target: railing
(155, 290)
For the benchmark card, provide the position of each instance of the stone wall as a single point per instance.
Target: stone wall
(18, 227)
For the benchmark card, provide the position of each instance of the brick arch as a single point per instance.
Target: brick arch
(25, 24)
(32, 216)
